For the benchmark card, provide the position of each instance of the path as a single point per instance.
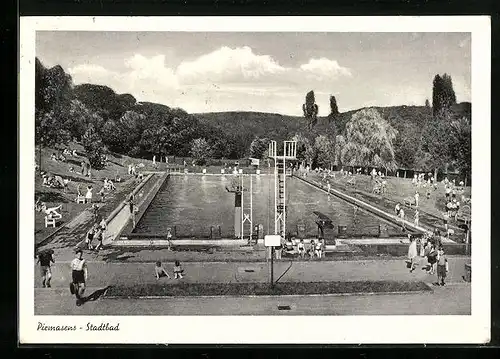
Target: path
(454, 299)
(451, 300)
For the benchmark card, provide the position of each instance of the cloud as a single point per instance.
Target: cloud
(236, 78)
(324, 69)
(227, 65)
(154, 69)
(89, 73)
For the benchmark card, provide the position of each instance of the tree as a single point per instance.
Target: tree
(427, 104)
(436, 143)
(94, 147)
(201, 151)
(53, 93)
(258, 147)
(461, 145)
(443, 95)
(406, 144)
(305, 152)
(56, 89)
(48, 132)
(334, 110)
(339, 149)
(310, 109)
(325, 150)
(369, 141)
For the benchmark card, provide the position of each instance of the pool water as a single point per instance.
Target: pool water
(195, 203)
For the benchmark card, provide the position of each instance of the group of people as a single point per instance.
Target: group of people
(431, 250)
(96, 234)
(160, 271)
(61, 157)
(292, 246)
(51, 181)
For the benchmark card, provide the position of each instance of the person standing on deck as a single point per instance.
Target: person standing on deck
(45, 258)
(412, 253)
(79, 277)
(402, 216)
(131, 206)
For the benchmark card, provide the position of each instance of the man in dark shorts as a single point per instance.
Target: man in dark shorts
(79, 276)
(45, 258)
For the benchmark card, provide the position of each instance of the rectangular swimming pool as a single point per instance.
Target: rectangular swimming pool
(194, 203)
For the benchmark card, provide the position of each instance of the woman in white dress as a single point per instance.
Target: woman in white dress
(412, 253)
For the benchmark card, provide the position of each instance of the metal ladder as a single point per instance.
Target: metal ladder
(247, 208)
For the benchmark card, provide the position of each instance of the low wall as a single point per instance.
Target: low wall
(401, 250)
(115, 212)
(181, 242)
(119, 218)
(149, 197)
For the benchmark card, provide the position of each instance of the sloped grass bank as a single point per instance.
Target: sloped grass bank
(258, 289)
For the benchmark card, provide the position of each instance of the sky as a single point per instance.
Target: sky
(265, 72)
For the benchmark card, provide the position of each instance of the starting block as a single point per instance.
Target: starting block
(222, 171)
(204, 171)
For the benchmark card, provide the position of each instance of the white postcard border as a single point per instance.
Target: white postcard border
(267, 329)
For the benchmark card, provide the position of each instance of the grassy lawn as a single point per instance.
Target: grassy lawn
(70, 209)
(431, 210)
(286, 288)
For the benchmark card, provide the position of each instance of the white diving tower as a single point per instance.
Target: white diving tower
(289, 153)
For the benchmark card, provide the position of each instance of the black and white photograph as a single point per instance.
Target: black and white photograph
(254, 180)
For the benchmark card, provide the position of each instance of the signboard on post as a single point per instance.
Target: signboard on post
(272, 240)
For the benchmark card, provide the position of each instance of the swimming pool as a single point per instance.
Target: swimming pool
(194, 203)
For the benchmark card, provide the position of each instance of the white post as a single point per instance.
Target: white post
(284, 188)
(251, 210)
(276, 188)
(242, 207)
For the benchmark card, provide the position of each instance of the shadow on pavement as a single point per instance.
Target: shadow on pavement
(96, 295)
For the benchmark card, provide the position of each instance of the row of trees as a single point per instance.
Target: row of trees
(102, 120)
(424, 138)
(438, 140)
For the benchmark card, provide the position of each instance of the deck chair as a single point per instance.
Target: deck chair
(80, 199)
(49, 221)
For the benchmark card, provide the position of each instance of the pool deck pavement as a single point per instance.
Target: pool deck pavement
(454, 298)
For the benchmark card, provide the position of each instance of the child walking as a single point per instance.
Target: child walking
(301, 248)
(160, 272)
(442, 266)
(178, 270)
